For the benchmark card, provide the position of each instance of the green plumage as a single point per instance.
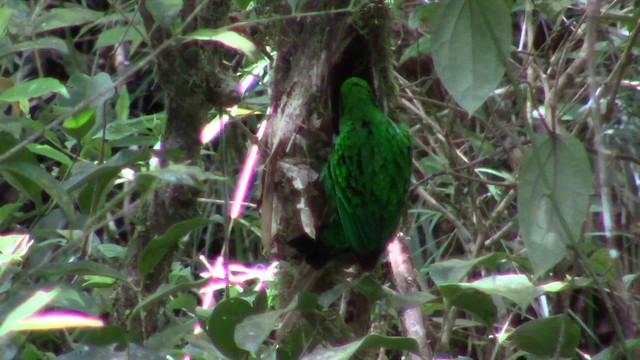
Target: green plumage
(367, 176)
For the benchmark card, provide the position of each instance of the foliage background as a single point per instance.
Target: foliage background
(524, 207)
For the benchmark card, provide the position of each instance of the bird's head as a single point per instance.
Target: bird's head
(355, 92)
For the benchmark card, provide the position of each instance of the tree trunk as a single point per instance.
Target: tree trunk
(316, 54)
(195, 81)
(299, 132)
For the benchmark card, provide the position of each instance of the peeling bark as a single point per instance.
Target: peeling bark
(299, 131)
(315, 55)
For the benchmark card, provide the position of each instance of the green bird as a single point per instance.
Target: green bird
(366, 182)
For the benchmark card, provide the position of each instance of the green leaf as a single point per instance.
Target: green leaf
(35, 303)
(421, 15)
(180, 174)
(109, 169)
(554, 189)
(80, 124)
(166, 340)
(52, 43)
(130, 349)
(112, 250)
(31, 352)
(104, 336)
(129, 128)
(7, 211)
(371, 288)
(33, 88)
(454, 270)
(514, 287)
(330, 296)
(95, 281)
(628, 280)
(118, 34)
(65, 17)
(20, 182)
(372, 341)
(94, 149)
(25, 186)
(94, 194)
(51, 153)
(164, 291)
(260, 302)
(227, 38)
(13, 248)
(8, 142)
(123, 104)
(472, 301)
(158, 248)
(615, 351)
(164, 12)
(556, 336)
(471, 41)
(94, 90)
(222, 325)
(84, 267)
(5, 16)
(601, 263)
(422, 46)
(254, 329)
(37, 175)
(306, 302)
(187, 302)
(242, 4)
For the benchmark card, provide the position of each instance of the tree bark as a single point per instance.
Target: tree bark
(299, 132)
(316, 54)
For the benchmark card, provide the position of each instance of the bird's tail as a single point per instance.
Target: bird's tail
(314, 252)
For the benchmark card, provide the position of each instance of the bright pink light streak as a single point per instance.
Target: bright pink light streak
(213, 129)
(249, 81)
(58, 320)
(245, 176)
(238, 274)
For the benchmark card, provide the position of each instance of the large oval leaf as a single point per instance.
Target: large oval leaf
(65, 17)
(222, 325)
(554, 188)
(472, 301)
(470, 42)
(33, 88)
(227, 38)
(158, 247)
(92, 91)
(253, 330)
(556, 336)
(164, 12)
(21, 93)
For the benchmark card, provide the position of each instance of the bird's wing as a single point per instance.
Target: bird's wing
(369, 180)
